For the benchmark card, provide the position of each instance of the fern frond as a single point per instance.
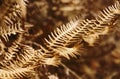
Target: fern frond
(86, 27)
(87, 30)
(54, 61)
(14, 72)
(12, 17)
(62, 35)
(20, 54)
(106, 18)
(21, 59)
(46, 58)
(71, 33)
(68, 52)
(109, 14)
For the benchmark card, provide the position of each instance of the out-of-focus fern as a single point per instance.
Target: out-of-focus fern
(108, 15)
(65, 41)
(12, 17)
(21, 59)
(14, 72)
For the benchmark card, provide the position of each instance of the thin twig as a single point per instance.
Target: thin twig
(71, 71)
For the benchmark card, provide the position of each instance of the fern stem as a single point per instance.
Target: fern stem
(71, 71)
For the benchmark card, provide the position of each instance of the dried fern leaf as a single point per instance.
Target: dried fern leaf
(109, 14)
(87, 30)
(12, 15)
(103, 22)
(68, 52)
(72, 32)
(14, 72)
(75, 28)
(23, 55)
(24, 62)
(93, 30)
(20, 54)
(54, 61)
(46, 58)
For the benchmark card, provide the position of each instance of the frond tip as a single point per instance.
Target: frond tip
(108, 14)
(83, 29)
